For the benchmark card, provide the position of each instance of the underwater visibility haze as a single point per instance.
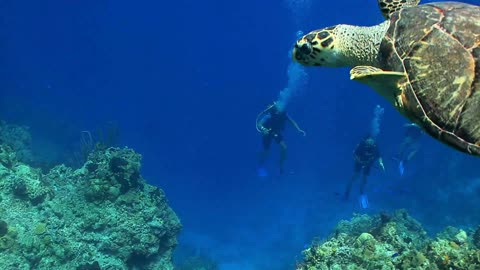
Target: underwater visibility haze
(183, 135)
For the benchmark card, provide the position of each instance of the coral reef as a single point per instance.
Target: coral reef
(191, 257)
(18, 138)
(389, 242)
(198, 262)
(476, 237)
(100, 216)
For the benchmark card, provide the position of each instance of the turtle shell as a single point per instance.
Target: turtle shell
(437, 45)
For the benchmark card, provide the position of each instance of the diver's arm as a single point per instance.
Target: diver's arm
(379, 158)
(261, 122)
(412, 153)
(413, 125)
(407, 125)
(296, 125)
(380, 162)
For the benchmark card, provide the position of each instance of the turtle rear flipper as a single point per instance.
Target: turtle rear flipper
(387, 7)
(386, 83)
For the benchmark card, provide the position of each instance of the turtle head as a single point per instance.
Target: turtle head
(317, 48)
(341, 45)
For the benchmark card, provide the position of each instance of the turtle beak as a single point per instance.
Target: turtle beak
(302, 50)
(305, 49)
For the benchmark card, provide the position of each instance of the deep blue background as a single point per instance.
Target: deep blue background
(185, 80)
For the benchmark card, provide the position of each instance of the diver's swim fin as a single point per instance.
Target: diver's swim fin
(401, 167)
(363, 200)
(262, 172)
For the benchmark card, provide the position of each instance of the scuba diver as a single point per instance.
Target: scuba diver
(366, 153)
(271, 123)
(409, 146)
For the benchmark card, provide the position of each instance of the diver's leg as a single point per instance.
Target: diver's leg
(349, 185)
(363, 184)
(405, 148)
(283, 155)
(409, 153)
(401, 152)
(363, 196)
(412, 151)
(262, 157)
(356, 170)
(363, 199)
(365, 173)
(266, 141)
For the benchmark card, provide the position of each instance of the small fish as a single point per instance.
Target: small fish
(395, 255)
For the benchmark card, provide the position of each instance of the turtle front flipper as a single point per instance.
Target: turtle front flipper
(385, 83)
(387, 7)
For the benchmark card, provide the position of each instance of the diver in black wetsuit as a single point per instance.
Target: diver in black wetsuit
(366, 153)
(271, 123)
(410, 145)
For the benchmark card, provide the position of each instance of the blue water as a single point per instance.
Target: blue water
(184, 81)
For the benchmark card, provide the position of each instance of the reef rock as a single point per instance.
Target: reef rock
(101, 216)
(391, 242)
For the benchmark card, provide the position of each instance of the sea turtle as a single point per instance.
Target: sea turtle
(424, 59)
